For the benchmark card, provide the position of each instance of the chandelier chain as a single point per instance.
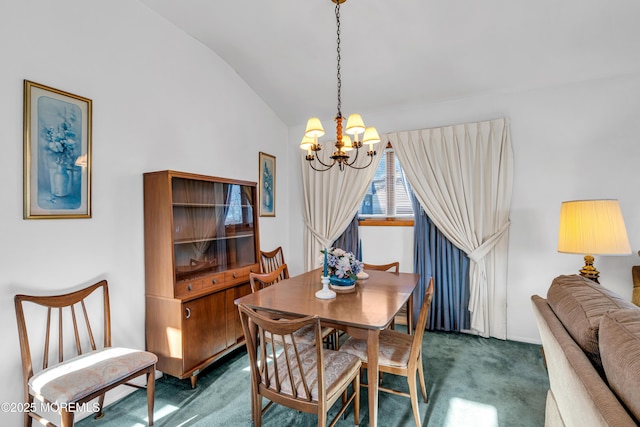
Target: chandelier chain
(341, 155)
(338, 57)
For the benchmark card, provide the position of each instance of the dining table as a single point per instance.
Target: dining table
(362, 312)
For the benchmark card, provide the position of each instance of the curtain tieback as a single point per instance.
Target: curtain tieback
(482, 250)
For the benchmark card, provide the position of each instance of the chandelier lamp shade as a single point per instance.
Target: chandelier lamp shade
(344, 144)
(592, 227)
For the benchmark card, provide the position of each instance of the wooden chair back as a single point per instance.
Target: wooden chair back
(393, 266)
(262, 280)
(271, 260)
(416, 345)
(75, 304)
(292, 375)
(84, 316)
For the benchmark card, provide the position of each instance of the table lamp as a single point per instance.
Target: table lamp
(592, 227)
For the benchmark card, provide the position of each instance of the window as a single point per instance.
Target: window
(388, 194)
(234, 207)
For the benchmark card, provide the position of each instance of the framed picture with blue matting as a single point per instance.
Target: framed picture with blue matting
(57, 153)
(267, 185)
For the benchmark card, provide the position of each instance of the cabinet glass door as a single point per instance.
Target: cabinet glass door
(213, 226)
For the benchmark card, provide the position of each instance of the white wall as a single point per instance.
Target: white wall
(382, 245)
(161, 100)
(578, 141)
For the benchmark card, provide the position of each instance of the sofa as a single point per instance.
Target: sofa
(591, 344)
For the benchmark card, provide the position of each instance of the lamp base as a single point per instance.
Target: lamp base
(589, 271)
(325, 292)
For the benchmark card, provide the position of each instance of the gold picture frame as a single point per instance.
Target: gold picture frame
(267, 185)
(57, 153)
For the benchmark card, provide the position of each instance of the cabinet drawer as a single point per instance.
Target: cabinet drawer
(213, 281)
(236, 274)
(189, 286)
(240, 274)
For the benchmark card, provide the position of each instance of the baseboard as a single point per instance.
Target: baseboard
(525, 340)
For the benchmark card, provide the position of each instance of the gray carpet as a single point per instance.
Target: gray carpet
(471, 381)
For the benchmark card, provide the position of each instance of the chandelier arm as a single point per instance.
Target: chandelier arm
(354, 159)
(361, 167)
(327, 167)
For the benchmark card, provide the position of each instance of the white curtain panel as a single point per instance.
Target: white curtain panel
(462, 175)
(331, 200)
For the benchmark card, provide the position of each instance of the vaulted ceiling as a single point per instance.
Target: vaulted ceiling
(409, 52)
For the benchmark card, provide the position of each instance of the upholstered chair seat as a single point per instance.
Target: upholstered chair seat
(395, 348)
(84, 375)
(339, 369)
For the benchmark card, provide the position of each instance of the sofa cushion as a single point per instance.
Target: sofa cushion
(580, 303)
(620, 353)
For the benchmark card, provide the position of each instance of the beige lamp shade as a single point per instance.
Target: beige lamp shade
(314, 128)
(355, 125)
(306, 142)
(370, 136)
(593, 227)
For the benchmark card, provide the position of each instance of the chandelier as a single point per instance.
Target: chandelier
(344, 144)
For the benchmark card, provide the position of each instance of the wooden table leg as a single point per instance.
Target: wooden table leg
(373, 348)
(253, 331)
(410, 315)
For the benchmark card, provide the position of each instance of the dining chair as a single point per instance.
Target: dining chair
(305, 335)
(301, 377)
(393, 267)
(65, 384)
(262, 280)
(271, 260)
(400, 354)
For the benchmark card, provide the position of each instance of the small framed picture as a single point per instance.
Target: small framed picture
(267, 185)
(57, 153)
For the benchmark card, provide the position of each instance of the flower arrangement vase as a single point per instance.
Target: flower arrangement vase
(341, 281)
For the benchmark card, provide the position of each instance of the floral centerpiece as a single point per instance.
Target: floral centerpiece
(341, 266)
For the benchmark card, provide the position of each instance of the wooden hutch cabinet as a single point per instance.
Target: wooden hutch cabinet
(201, 243)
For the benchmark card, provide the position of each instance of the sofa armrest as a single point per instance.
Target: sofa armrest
(582, 397)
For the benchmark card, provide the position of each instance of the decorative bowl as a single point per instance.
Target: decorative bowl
(341, 281)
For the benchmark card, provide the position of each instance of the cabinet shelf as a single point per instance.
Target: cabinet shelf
(207, 205)
(213, 239)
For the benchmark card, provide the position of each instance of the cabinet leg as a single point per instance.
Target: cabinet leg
(194, 380)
